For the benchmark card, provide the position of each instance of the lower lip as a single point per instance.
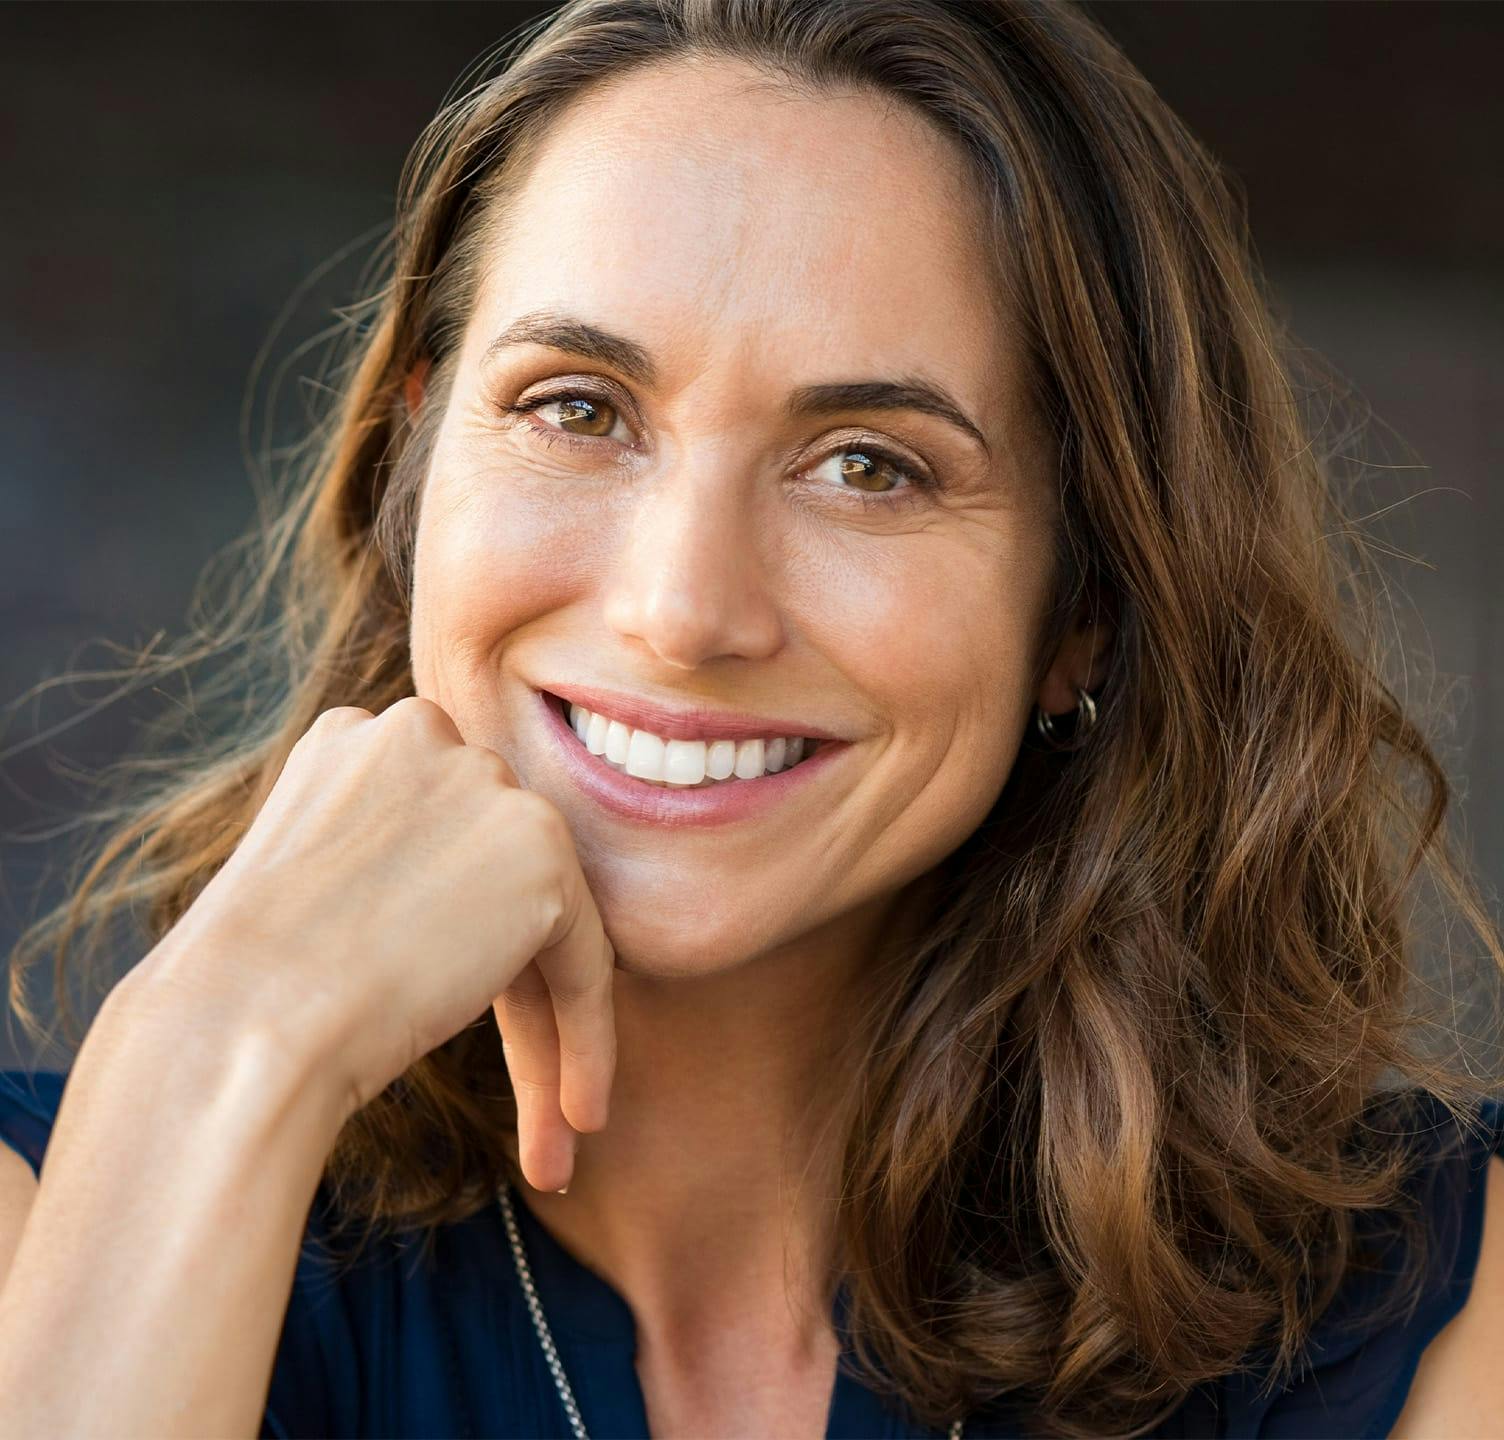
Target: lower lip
(635, 799)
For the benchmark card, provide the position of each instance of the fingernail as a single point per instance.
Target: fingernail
(574, 1150)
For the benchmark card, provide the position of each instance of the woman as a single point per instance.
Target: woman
(816, 609)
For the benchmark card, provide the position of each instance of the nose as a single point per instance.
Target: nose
(690, 583)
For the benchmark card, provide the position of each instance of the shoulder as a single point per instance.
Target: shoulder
(28, 1105)
(1458, 1387)
(1372, 1366)
(18, 1188)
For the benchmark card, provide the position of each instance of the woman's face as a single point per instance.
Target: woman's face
(679, 521)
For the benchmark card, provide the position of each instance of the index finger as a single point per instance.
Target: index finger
(580, 968)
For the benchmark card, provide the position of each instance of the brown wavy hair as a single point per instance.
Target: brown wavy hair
(1114, 1113)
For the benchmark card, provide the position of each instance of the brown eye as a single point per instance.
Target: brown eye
(581, 416)
(862, 470)
(873, 477)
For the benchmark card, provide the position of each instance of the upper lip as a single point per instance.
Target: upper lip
(680, 721)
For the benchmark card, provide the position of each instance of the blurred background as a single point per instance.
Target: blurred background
(192, 190)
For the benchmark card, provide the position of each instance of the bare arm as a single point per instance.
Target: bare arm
(151, 1275)
(18, 1188)
(1458, 1388)
(395, 884)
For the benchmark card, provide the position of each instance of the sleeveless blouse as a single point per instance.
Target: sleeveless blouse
(441, 1344)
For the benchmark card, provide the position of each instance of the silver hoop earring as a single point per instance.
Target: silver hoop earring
(1086, 719)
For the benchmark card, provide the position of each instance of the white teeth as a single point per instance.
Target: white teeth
(645, 756)
(595, 734)
(720, 759)
(618, 737)
(748, 764)
(658, 761)
(684, 762)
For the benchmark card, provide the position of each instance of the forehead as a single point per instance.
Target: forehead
(719, 217)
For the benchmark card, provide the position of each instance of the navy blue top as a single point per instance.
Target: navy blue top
(404, 1343)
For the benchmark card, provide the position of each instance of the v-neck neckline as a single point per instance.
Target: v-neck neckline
(584, 1311)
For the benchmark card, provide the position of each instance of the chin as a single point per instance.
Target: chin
(666, 952)
(665, 919)
(655, 965)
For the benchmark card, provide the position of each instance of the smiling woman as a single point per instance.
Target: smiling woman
(671, 889)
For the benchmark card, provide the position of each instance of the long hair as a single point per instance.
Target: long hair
(1112, 1120)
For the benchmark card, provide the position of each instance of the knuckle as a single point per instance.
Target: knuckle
(546, 821)
(580, 1055)
(338, 717)
(529, 1085)
(421, 713)
(524, 1005)
(556, 899)
(345, 714)
(572, 993)
(491, 762)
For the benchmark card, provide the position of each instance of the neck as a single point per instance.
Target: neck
(712, 1189)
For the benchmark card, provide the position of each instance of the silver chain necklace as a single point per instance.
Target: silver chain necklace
(545, 1335)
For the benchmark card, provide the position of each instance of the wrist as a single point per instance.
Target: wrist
(161, 1018)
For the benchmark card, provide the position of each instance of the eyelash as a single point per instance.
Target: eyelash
(911, 493)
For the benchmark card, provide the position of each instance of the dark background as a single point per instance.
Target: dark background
(176, 177)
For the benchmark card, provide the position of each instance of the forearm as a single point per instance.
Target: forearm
(148, 1290)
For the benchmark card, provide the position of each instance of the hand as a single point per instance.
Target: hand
(395, 883)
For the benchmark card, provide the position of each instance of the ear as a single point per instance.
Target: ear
(1080, 661)
(413, 386)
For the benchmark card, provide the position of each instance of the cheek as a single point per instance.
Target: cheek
(940, 643)
(490, 559)
(938, 637)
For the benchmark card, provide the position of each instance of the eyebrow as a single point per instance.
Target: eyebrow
(580, 337)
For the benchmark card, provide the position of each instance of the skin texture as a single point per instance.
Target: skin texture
(709, 566)
(1458, 1389)
(699, 545)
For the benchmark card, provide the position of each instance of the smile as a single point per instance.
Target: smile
(640, 775)
(662, 761)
